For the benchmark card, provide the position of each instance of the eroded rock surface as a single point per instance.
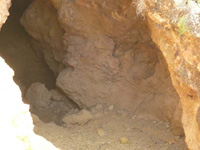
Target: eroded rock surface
(181, 51)
(101, 53)
(108, 57)
(48, 105)
(38, 95)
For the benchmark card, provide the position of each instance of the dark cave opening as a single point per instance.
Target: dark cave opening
(17, 50)
(141, 76)
(26, 59)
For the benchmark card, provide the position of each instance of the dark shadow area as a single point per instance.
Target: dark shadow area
(30, 68)
(16, 49)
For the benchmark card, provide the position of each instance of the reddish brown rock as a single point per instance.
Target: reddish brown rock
(108, 55)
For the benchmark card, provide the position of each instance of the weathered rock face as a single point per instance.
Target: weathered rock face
(16, 49)
(102, 52)
(182, 55)
(41, 22)
(108, 57)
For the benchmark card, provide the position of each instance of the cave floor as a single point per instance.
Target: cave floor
(105, 133)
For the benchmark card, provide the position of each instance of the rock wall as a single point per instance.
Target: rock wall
(102, 52)
(181, 51)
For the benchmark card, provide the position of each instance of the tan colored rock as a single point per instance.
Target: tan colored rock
(56, 3)
(124, 140)
(80, 118)
(182, 55)
(56, 95)
(38, 95)
(104, 68)
(49, 37)
(111, 107)
(100, 132)
(109, 58)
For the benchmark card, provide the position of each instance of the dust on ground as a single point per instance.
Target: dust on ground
(112, 129)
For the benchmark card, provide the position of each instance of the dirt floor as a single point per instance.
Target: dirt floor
(112, 129)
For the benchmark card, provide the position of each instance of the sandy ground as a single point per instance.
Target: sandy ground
(106, 131)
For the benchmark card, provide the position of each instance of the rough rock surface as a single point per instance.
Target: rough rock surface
(103, 53)
(41, 22)
(38, 95)
(80, 118)
(19, 54)
(108, 58)
(48, 105)
(181, 51)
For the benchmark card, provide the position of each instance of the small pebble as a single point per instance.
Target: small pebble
(134, 117)
(100, 132)
(171, 141)
(99, 106)
(124, 140)
(110, 107)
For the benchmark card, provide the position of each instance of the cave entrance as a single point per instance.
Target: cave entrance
(131, 84)
(17, 48)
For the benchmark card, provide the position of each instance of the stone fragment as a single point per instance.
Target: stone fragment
(96, 108)
(124, 140)
(56, 95)
(99, 106)
(38, 95)
(110, 107)
(80, 118)
(100, 132)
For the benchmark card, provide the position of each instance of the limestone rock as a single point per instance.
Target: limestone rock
(80, 118)
(38, 96)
